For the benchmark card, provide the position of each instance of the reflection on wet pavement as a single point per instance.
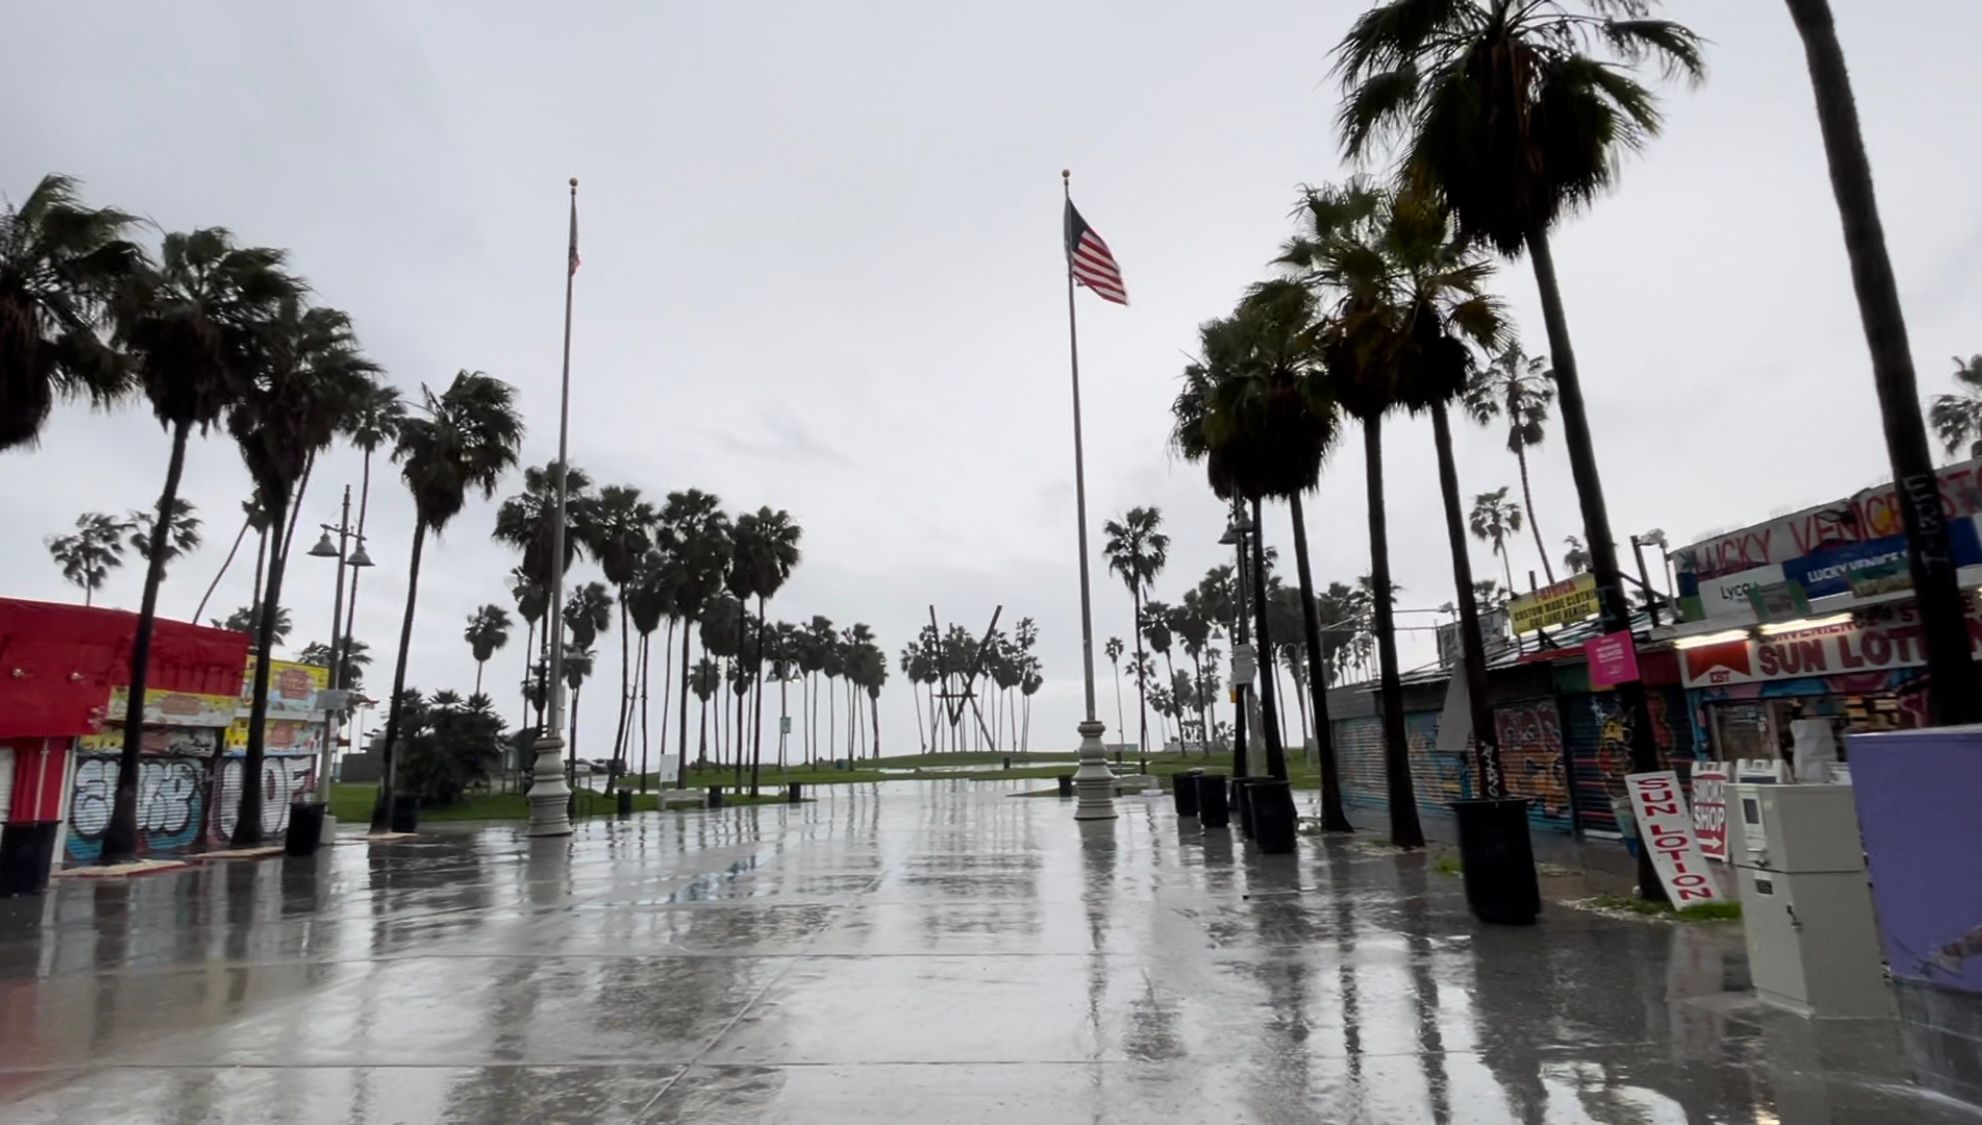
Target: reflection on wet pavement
(929, 951)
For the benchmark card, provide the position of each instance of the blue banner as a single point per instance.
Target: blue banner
(1827, 572)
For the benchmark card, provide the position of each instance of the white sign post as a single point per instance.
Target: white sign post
(1666, 828)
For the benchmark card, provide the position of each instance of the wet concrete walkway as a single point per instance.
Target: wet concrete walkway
(926, 951)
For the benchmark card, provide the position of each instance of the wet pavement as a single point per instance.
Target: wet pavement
(930, 951)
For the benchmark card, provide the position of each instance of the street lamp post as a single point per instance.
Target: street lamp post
(1243, 663)
(339, 645)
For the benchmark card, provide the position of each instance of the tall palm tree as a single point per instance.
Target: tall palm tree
(1194, 627)
(356, 660)
(1494, 519)
(1136, 550)
(463, 440)
(89, 555)
(821, 654)
(1952, 696)
(618, 535)
(695, 531)
(190, 326)
(487, 632)
(578, 661)
(722, 631)
(287, 407)
(1957, 418)
(182, 531)
(1577, 557)
(703, 679)
(764, 551)
(652, 598)
(1157, 619)
(60, 264)
(254, 517)
(532, 598)
(247, 619)
(1114, 650)
(1515, 114)
(1518, 387)
(373, 420)
(527, 521)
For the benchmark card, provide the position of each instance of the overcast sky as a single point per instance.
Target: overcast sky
(822, 271)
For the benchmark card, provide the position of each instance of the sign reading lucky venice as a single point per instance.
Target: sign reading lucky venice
(1573, 599)
(1825, 650)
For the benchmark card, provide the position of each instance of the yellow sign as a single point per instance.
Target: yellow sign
(1573, 599)
(174, 708)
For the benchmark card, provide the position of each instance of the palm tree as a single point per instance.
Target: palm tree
(182, 532)
(247, 619)
(60, 264)
(1510, 114)
(532, 598)
(286, 408)
(254, 517)
(191, 329)
(578, 660)
(651, 599)
(694, 530)
(764, 551)
(88, 556)
(1494, 518)
(1957, 418)
(372, 420)
(722, 630)
(821, 654)
(528, 520)
(1136, 550)
(488, 631)
(1519, 387)
(1577, 557)
(463, 439)
(356, 659)
(1195, 626)
(1953, 697)
(619, 533)
(1157, 618)
(703, 679)
(1114, 650)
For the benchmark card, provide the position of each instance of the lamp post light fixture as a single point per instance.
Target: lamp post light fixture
(339, 644)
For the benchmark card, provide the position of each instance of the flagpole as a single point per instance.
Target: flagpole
(550, 794)
(1094, 783)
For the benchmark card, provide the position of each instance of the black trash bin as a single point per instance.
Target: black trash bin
(1066, 781)
(623, 802)
(1498, 860)
(305, 833)
(792, 794)
(27, 851)
(1272, 815)
(1242, 805)
(1212, 809)
(715, 796)
(405, 814)
(1184, 791)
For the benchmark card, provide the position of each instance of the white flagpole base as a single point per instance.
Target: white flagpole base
(1094, 783)
(550, 797)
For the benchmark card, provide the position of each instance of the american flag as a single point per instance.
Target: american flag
(1090, 261)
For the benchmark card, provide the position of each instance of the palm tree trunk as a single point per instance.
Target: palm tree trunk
(1507, 567)
(1276, 752)
(478, 676)
(572, 754)
(1486, 748)
(624, 728)
(389, 759)
(874, 709)
(120, 836)
(1142, 693)
(248, 821)
(832, 722)
(667, 674)
(1952, 697)
(351, 609)
(1405, 830)
(687, 673)
(702, 751)
(919, 739)
(529, 645)
(261, 558)
(1534, 525)
(295, 507)
(757, 709)
(215, 584)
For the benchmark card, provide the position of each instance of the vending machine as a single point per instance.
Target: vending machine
(1813, 945)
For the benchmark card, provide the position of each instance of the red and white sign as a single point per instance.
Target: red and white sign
(1613, 659)
(1710, 809)
(1827, 650)
(1665, 827)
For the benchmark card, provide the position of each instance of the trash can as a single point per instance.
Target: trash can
(305, 833)
(1066, 781)
(26, 853)
(1008, 761)
(1242, 805)
(405, 814)
(715, 796)
(1272, 815)
(1212, 810)
(624, 802)
(792, 794)
(1183, 790)
(1498, 860)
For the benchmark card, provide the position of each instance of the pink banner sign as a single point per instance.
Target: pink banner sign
(1613, 659)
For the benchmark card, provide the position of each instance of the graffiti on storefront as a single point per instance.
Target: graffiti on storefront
(171, 803)
(284, 778)
(1531, 753)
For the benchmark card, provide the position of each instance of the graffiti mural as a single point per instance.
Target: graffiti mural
(284, 777)
(1532, 756)
(171, 804)
(1436, 778)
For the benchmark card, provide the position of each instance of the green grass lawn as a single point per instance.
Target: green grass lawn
(351, 803)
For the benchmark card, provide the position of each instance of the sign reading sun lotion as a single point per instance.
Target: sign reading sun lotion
(1666, 828)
